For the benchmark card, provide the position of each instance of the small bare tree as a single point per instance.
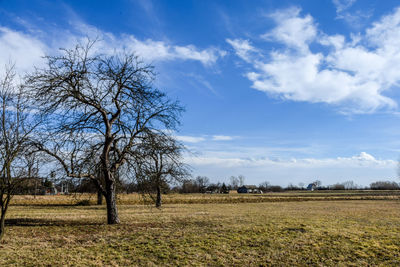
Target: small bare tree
(158, 161)
(17, 121)
(234, 182)
(202, 182)
(98, 107)
(241, 179)
(317, 183)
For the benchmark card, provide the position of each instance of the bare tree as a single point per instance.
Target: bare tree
(317, 183)
(241, 179)
(16, 124)
(202, 182)
(97, 108)
(158, 161)
(234, 182)
(349, 185)
(265, 186)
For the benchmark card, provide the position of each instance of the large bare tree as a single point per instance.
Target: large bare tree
(17, 121)
(98, 108)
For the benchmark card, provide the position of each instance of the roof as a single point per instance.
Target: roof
(251, 186)
(312, 185)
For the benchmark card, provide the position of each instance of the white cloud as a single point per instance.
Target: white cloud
(20, 49)
(354, 19)
(27, 50)
(342, 5)
(242, 48)
(150, 50)
(353, 75)
(222, 138)
(197, 80)
(197, 139)
(362, 168)
(292, 29)
(362, 160)
(190, 139)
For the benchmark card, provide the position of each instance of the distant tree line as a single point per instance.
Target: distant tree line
(199, 184)
(384, 185)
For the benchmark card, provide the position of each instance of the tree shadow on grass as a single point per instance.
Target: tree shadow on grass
(47, 222)
(52, 205)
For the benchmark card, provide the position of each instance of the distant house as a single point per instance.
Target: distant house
(257, 191)
(242, 190)
(52, 190)
(311, 187)
(249, 189)
(252, 189)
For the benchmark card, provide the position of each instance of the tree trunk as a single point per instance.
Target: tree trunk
(158, 199)
(99, 197)
(2, 224)
(112, 212)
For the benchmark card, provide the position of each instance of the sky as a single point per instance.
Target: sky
(283, 91)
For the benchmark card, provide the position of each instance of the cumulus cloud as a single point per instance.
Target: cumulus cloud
(350, 74)
(292, 29)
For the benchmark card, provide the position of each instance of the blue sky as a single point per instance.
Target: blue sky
(279, 91)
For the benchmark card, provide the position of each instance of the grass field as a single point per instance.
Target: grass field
(329, 229)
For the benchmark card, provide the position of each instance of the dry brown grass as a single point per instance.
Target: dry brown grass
(132, 199)
(311, 233)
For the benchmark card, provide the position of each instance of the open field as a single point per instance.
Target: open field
(327, 232)
(233, 197)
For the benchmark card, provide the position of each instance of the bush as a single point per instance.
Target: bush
(275, 188)
(337, 187)
(384, 185)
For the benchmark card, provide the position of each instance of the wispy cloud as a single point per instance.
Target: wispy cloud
(354, 18)
(21, 49)
(350, 74)
(362, 168)
(222, 137)
(150, 50)
(361, 160)
(198, 80)
(27, 49)
(243, 48)
(342, 5)
(197, 139)
(190, 139)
